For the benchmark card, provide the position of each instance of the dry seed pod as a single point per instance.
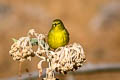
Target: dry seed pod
(68, 58)
(22, 49)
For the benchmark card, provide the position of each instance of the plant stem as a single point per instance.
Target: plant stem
(19, 71)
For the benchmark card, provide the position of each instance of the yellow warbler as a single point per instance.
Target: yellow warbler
(58, 35)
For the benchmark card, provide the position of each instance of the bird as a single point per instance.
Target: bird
(58, 35)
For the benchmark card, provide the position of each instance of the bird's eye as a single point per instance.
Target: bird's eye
(58, 23)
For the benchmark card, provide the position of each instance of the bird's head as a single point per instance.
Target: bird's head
(57, 24)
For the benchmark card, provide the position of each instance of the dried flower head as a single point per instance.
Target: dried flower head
(22, 49)
(68, 58)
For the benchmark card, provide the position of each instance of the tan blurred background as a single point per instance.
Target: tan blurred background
(95, 24)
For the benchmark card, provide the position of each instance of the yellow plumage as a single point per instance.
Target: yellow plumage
(58, 36)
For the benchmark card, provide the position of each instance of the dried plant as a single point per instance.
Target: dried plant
(63, 59)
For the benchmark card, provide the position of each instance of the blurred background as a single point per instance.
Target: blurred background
(95, 24)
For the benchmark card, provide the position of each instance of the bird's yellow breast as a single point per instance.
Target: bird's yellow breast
(57, 38)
